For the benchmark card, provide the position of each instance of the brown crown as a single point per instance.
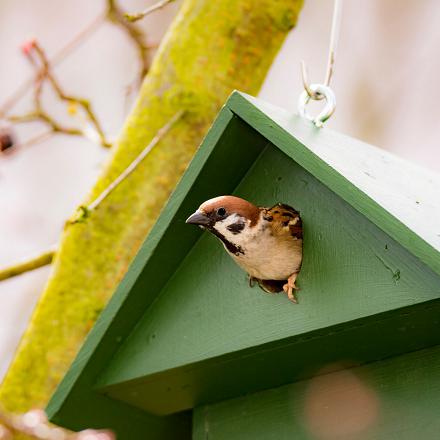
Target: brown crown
(233, 205)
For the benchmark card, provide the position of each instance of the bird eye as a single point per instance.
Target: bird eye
(221, 212)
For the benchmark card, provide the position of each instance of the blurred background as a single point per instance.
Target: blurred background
(385, 82)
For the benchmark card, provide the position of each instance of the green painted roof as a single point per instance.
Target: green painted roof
(401, 198)
(380, 298)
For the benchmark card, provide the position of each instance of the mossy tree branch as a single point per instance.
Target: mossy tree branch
(83, 212)
(211, 49)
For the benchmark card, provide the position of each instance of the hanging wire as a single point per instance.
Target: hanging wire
(322, 91)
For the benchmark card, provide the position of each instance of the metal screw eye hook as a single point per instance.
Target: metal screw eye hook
(330, 103)
(318, 92)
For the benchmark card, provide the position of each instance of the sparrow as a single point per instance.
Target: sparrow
(265, 242)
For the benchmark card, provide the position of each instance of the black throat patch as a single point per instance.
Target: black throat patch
(231, 247)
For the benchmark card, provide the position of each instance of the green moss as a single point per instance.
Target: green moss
(211, 49)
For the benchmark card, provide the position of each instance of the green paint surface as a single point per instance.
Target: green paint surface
(139, 288)
(395, 399)
(398, 196)
(212, 48)
(207, 309)
(184, 329)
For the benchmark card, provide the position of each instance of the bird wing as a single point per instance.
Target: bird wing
(286, 221)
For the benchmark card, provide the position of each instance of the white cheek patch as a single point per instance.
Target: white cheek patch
(222, 225)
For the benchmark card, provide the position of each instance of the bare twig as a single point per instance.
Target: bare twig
(46, 118)
(44, 72)
(84, 211)
(83, 103)
(116, 15)
(36, 262)
(144, 153)
(80, 38)
(139, 15)
(37, 138)
(36, 55)
(57, 59)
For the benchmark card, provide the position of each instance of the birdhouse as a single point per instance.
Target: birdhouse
(186, 349)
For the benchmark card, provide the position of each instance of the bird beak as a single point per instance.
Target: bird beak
(198, 218)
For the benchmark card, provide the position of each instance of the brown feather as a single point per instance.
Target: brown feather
(232, 204)
(285, 220)
(268, 246)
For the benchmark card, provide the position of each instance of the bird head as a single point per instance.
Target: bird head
(225, 216)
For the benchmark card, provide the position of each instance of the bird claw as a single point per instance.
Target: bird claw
(289, 288)
(251, 281)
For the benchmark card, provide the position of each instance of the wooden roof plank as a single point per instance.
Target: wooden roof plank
(399, 197)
